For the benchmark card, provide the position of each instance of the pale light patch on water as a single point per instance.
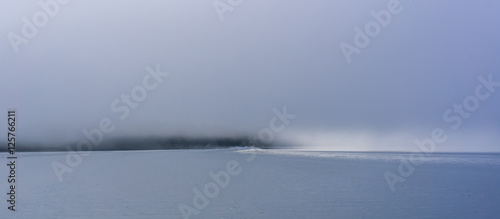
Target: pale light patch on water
(461, 158)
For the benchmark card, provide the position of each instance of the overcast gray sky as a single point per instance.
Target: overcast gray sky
(226, 76)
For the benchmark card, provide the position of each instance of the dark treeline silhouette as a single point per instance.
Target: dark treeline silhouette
(143, 143)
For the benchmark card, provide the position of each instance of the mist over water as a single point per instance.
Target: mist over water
(90, 62)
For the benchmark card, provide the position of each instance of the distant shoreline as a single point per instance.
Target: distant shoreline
(145, 143)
